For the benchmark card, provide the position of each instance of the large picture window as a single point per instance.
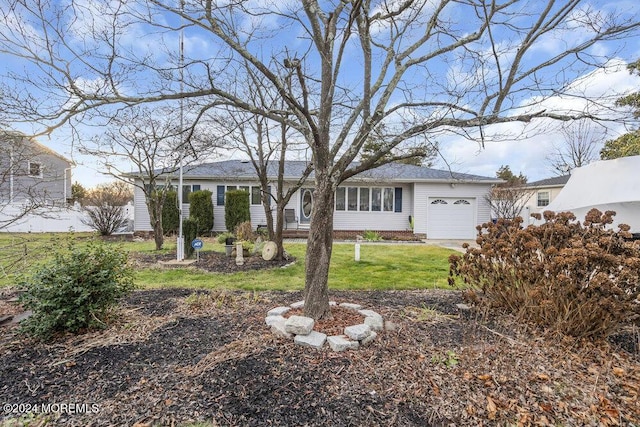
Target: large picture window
(366, 199)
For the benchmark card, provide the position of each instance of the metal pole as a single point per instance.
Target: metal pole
(180, 242)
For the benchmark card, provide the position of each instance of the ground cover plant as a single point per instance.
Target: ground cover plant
(579, 279)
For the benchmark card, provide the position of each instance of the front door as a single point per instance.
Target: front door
(306, 205)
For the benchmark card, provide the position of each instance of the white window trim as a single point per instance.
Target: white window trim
(548, 198)
(40, 168)
(382, 191)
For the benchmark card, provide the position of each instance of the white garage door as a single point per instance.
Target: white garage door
(451, 218)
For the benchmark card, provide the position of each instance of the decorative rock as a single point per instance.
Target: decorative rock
(298, 304)
(313, 339)
(270, 320)
(358, 332)
(390, 326)
(368, 340)
(350, 306)
(369, 313)
(299, 325)
(278, 328)
(375, 323)
(341, 343)
(278, 311)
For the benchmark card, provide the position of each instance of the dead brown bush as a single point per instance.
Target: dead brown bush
(580, 279)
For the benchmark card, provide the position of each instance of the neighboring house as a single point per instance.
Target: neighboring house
(29, 171)
(444, 205)
(543, 192)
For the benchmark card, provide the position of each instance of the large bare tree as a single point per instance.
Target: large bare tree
(145, 147)
(422, 68)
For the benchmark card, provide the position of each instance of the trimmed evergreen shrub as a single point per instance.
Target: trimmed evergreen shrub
(190, 232)
(170, 213)
(201, 210)
(76, 289)
(236, 208)
(579, 279)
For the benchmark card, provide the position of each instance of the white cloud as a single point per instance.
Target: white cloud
(525, 147)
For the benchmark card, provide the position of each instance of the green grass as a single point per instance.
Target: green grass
(383, 267)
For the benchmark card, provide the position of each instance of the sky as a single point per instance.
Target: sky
(523, 148)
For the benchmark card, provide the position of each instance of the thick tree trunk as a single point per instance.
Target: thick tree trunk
(277, 234)
(319, 247)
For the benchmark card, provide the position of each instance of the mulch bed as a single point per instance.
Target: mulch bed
(213, 261)
(176, 356)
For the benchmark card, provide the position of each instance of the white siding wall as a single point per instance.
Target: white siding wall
(140, 211)
(357, 220)
(425, 190)
(532, 203)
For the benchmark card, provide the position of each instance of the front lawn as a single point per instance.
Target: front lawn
(381, 266)
(410, 266)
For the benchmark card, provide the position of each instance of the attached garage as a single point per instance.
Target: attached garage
(451, 218)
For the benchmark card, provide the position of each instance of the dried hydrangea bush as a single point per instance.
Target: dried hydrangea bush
(580, 279)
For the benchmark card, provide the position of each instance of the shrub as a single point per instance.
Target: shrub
(76, 289)
(245, 233)
(222, 237)
(190, 232)
(104, 206)
(201, 210)
(170, 213)
(578, 279)
(236, 208)
(371, 236)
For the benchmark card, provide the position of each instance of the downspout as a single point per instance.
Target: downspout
(64, 191)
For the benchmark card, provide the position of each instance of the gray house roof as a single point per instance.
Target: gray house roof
(396, 172)
(556, 181)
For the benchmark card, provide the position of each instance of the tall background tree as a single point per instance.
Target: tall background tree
(421, 68)
(629, 143)
(145, 147)
(580, 143)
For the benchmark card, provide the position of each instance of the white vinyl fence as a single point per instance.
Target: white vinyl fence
(49, 220)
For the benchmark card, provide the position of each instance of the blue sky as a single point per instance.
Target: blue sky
(523, 148)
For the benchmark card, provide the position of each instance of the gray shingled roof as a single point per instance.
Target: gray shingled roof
(238, 169)
(556, 181)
